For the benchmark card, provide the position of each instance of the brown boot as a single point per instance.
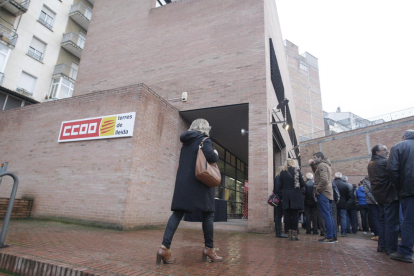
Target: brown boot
(211, 253)
(165, 254)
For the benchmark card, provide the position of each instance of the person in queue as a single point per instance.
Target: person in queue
(191, 195)
(291, 182)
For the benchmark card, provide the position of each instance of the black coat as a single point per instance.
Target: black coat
(381, 187)
(401, 166)
(309, 193)
(190, 195)
(291, 198)
(351, 204)
(345, 192)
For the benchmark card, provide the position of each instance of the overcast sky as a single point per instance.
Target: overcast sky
(365, 50)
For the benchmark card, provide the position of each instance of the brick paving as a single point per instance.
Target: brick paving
(111, 252)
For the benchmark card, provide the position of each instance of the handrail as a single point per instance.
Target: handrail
(9, 208)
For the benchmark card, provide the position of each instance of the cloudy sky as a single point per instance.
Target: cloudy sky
(365, 50)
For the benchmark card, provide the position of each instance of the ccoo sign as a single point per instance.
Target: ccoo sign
(113, 126)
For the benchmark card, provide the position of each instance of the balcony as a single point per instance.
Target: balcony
(24, 91)
(81, 15)
(16, 7)
(66, 70)
(73, 43)
(7, 35)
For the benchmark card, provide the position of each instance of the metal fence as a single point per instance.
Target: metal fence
(7, 35)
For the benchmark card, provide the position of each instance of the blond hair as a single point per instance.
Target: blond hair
(200, 125)
(290, 163)
(280, 169)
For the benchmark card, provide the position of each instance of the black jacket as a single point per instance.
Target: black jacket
(351, 203)
(345, 192)
(190, 195)
(401, 166)
(309, 193)
(291, 198)
(381, 187)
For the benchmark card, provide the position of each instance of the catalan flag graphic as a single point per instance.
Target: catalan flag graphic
(108, 126)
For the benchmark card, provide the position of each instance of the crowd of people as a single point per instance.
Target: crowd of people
(381, 204)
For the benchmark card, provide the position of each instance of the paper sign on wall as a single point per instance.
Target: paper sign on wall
(113, 126)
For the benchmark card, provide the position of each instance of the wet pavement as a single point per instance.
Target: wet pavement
(110, 252)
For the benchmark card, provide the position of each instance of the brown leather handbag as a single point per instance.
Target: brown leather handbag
(207, 173)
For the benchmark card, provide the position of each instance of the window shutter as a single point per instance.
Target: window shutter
(48, 12)
(27, 82)
(38, 45)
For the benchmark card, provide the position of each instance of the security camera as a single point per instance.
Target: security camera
(184, 97)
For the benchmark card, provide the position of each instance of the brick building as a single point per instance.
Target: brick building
(350, 151)
(140, 57)
(304, 77)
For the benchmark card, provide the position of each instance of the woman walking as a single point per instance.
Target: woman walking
(190, 195)
(291, 182)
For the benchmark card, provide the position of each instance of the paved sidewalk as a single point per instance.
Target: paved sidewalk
(110, 252)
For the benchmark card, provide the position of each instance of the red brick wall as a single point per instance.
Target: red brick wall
(350, 151)
(96, 180)
(21, 208)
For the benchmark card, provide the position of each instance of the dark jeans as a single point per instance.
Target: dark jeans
(325, 209)
(278, 211)
(291, 219)
(352, 221)
(174, 221)
(363, 210)
(311, 213)
(343, 215)
(374, 218)
(389, 225)
(335, 217)
(405, 248)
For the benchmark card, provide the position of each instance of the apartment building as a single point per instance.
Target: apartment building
(41, 47)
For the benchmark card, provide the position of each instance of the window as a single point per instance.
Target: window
(81, 40)
(61, 88)
(4, 53)
(231, 188)
(303, 66)
(160, 3)
(26, 83)
(47, 17)
(37, 49)
(275, 74)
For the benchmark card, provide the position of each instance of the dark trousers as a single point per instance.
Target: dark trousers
(291, 219)
(352, 221)
(405, 248)
(389, 225)
(363, 209)
(335, 216)
(374, 218)
(343, 215)
(174, 221)
(278, 212)
(311, 213)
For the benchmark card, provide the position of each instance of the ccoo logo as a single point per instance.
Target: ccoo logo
(95, 128)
